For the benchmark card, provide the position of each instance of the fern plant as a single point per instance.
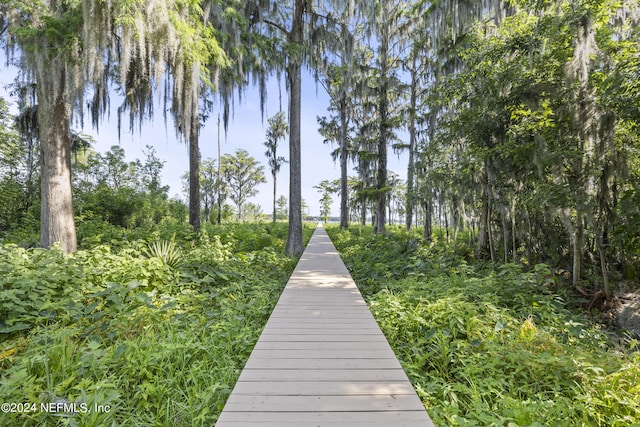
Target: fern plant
(166, 250)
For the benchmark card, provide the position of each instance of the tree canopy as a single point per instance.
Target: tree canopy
(520, 118)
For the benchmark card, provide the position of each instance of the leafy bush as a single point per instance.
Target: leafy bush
(158, 343)
(490, 345)
(166, 251)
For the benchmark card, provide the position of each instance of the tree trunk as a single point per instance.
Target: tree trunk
(483, 225)
(440, 221)
(194, 173)
(427, 219)
(603, 265)
(455, 217)
(492, 249)
(529, 248)
(56, 214)
(446, 224)
(513, 229)
(219, 181)
(31, 166)
(344, 152)
(206, 208)
(578, 240)
(505, 237)
(584, 112)
(472, 231)
(483, 234)
(383, 108)
(275, 190)
(412, 143)
(294, 73)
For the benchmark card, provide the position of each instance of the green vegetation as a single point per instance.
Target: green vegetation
(156, 329)
(521, 122)
(488, 344)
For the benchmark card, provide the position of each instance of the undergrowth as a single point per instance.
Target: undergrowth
(135, 332)
(490, 345)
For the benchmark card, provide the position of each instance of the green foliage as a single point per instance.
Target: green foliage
(525, 143)
(242, 173)
(18, 198)
(166, 251)
(326, 188)
(489, 345)
(160, 338)
(113, 201)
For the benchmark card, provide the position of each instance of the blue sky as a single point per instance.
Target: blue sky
(246, 130)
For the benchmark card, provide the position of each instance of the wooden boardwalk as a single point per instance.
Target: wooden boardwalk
(322, 359)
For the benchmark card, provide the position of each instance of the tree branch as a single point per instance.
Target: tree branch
(328, 18)
(277, 26)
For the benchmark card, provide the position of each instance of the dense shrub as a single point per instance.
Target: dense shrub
(159, 340)
(490, 344)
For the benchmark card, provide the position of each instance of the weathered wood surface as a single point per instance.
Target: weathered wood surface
(322, 359)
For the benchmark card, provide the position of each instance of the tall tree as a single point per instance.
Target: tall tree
(365, 119)
(277, 130)
(339, 85)
(209, 181)
(69, 47)
(282, 206)
(418, 64)
(195, 70)
(326, 188)
(301, 28)
(338, 81)
(391, 27)
(288, 26)
(242, 174)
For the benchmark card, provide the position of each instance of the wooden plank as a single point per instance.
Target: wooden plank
(351, 403)
(303, 321)
(318, 309)
(320, 315)
(319, 364)
(316, 297)
(319, 312)
(323, 354)
(310, 290)
(316, 345)
(320, 331)
(322, 388)
(328, 419)
(322, 338)
(320, 295)
(315, 328)
(337, 301)
(353, 375)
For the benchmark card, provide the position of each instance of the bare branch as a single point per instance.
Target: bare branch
(277, 26)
